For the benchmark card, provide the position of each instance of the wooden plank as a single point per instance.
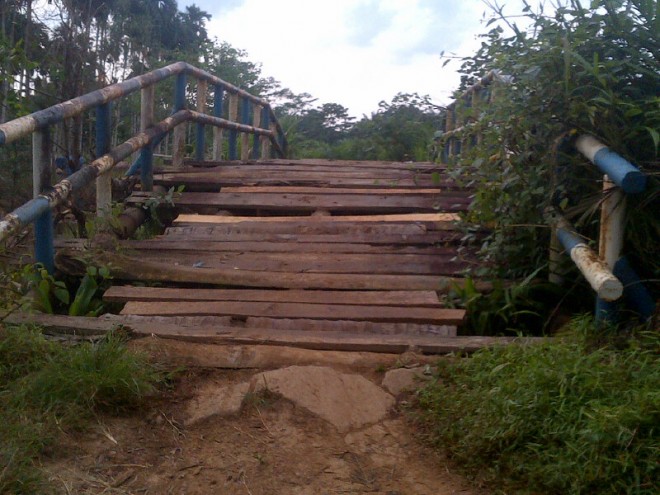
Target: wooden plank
(127, 268)
(197, 183)
(405, 264)
(309, 340)
(356, 298)
(298, 310)
(177, 244)
(299, 324)
(374, 204)
(327, 190)
(405, 217)
(301, 227)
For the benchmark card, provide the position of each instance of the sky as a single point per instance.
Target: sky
(354, 52)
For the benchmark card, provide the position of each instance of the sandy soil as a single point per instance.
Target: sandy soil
(271, 447)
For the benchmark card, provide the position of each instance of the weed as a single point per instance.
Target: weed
(556, 417)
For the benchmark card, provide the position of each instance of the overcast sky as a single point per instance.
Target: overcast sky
(354, 52)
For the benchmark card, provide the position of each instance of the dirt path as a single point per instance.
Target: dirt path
(270, 445)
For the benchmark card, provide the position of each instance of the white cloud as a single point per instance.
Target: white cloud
(352, 52)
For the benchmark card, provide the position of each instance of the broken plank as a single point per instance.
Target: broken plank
(164, 294)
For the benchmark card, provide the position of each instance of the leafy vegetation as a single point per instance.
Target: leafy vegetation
(577, 70)
(47, 388)
(557, 417)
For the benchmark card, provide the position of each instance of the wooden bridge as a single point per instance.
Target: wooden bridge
(313, 253)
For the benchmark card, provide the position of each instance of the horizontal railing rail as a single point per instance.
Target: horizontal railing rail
(257, 119)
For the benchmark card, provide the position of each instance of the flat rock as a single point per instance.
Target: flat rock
(216, 400)
(401, 380)
(347, 401)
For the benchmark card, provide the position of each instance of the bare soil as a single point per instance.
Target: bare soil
(271, 447)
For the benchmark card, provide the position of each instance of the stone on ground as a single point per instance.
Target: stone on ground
(401, 380)
(216, 400)
(347, 401)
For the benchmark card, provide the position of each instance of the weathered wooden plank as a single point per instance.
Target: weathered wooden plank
(329, 190)
(399, 218)
(309, 340)
(196, 183)
(372, 204)
(404, 264)
(300, 227)
(128, 268)
(298, 324)
(177, 244)
(356, 298)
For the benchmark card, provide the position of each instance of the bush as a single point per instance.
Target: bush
(552, 417)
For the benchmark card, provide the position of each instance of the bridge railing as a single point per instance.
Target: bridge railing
(256, 119)
(608, 272)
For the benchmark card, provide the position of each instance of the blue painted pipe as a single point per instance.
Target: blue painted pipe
(180, 92)
(607, 311)
(637, 297)
(103, 114)
(568, 239)
(620, 171)
(218, 97)
(199, 143)
(146, 168)
(44, 250)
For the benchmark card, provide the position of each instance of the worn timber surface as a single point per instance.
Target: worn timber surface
(316, 253)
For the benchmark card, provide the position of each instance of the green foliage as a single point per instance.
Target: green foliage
(47, 388)
(520, 309)
(593, 70)
(49, 295)
(552, 417)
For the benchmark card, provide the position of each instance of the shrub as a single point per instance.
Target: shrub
(552, 417)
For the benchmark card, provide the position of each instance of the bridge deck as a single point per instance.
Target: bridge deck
(317, 253)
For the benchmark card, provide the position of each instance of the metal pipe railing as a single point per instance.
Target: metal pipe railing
(38, 124)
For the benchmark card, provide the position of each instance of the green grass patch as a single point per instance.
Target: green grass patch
(557, 417)
(46, 387)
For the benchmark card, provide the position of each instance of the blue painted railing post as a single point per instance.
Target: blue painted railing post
(104, 181)
(200, 145)
(233, 133)
(218, 97)
(147, 153)
(256, 122)
(245, 137)
(44, 249)
(179, 138)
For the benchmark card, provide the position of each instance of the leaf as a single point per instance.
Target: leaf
(654, 135)
(84, 295)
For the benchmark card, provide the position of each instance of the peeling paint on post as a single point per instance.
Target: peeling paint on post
(245, 137)
(200, 145)
(256, 122)
(233, 134)
(44, 249)
(104, 181)
(147, 153)
(218, 96)
(179, 138)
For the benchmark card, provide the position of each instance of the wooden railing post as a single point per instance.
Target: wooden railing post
(245, 137)
(201, 108)
(44, 249)
(256, 122)
(103, 181)
(233, 134)
(179, 139)
(218, 96)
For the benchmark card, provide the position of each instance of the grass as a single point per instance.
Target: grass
(558, 417)
(46, 388)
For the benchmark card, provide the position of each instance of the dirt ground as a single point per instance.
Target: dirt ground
(272, 446)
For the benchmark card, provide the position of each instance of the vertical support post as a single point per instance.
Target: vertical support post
(147, 153)
(201, 107)
(245, 137)
(233, 134)
(610, 242)
(179, 139)
(218, 96)
(104, 181)
(555, 258)
(256, 122)
(449, 126)
(44, 249)
(265, 140)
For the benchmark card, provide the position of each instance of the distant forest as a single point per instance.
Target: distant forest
(52, 53)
